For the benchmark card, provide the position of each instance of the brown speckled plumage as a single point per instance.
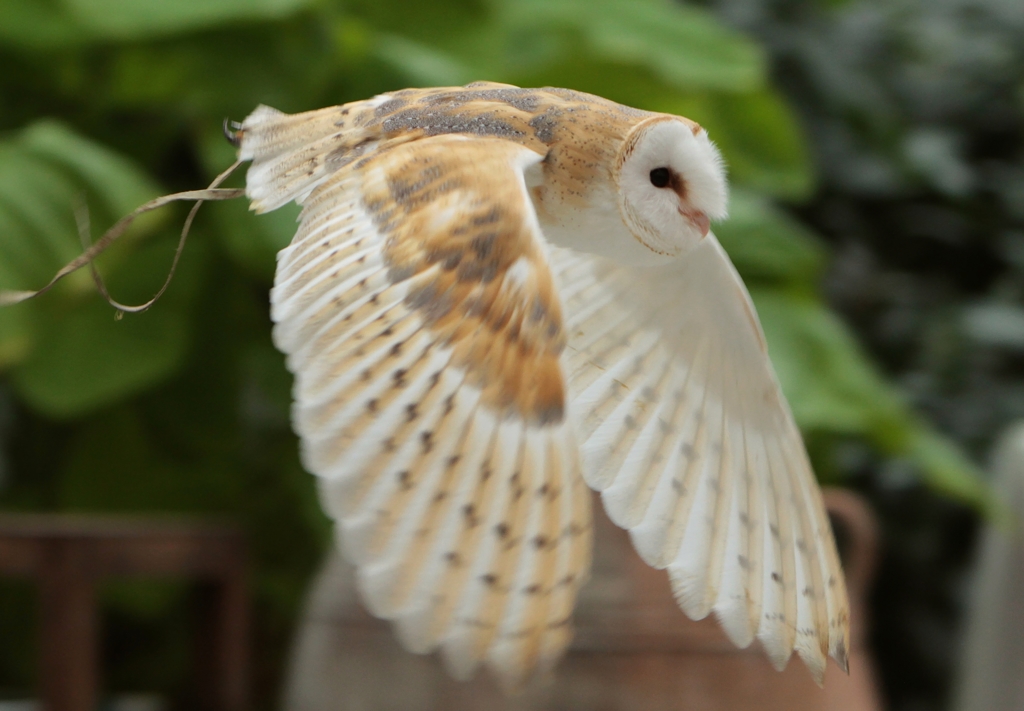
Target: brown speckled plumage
(517, 366)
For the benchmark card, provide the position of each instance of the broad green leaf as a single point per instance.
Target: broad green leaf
(133, 19)
(832, 387)
(684, 45)
(826, 382)
(46, 171)
(758, 135)
(117, 181)
(946, 468)
(767, 152)
(443, 43)
(423, 64)
(433, 22)
(36, 214)
(227, 72)
(766, 244)
(495, 51)
(16, 334)
(50, 24)
(627, 84)
(37, 24)
(85, 358)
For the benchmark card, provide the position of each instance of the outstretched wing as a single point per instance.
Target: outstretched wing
(688, 437)
(420, 318)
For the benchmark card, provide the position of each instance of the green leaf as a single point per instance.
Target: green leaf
(37, 24)
(36, 202)
(831, 386)
(828, 384)
(118, 182)
(766, 149)
(226, 72)
(134, 19)
(87, 359)
(766, 244)
(45, 171)
(435, 22)
(758, 135)
(84, 358)
(684, 45)
(947, 469)
(423, 64)
(16, 334)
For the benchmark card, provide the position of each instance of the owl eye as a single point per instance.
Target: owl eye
(660, 177)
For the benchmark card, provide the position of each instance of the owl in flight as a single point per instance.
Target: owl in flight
(498, 297)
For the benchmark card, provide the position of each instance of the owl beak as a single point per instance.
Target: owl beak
(699, 220)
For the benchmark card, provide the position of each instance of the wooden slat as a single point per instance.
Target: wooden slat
(68, 650)
(69, 555)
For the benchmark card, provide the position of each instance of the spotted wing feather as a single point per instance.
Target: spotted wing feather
(688, 437)
(420, 318)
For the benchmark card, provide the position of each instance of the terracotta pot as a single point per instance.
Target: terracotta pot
(633, 650)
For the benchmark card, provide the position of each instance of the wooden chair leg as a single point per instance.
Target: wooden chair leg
(69, 646)
(232, 643)
(222, 655)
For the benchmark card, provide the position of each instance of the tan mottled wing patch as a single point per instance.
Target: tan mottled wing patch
(689, 439)
(462, 230)
(419, 316)
(578, 134)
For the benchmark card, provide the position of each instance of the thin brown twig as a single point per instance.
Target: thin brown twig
(9, 297)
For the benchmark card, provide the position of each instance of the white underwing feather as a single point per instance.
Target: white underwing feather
(628, 499)
(405, 519)
(440, 569)
(687, 435)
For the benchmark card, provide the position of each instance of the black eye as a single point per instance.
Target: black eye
(660, 177)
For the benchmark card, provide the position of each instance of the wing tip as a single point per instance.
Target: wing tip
(689, 594)
(815, 661)
(509, 669)
(778, 657)
(841, 654)
(458, 657)
(735, 622)
(413, 632)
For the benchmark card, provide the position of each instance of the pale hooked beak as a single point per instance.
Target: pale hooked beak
(699, 220)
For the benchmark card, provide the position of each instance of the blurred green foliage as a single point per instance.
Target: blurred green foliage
(914, 111)
(185, 408)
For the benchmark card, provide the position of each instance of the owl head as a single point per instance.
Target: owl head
(671, 184)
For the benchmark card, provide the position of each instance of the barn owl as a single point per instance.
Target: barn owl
(499, 296)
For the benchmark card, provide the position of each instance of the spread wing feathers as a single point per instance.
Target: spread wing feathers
(687, 435)
(292, 153)
(420, 318)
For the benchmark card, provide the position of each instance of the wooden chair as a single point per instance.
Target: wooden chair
(69, 555)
